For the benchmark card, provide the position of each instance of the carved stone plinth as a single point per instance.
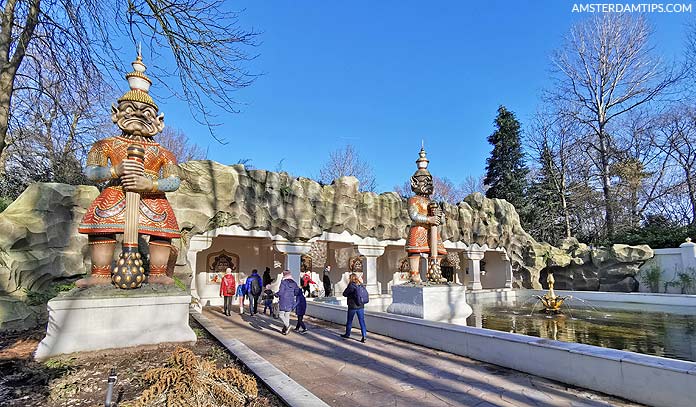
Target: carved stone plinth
(107, 318)
(445, 303)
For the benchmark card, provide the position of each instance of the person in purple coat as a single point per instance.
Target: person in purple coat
(300, 309)
(286, 299)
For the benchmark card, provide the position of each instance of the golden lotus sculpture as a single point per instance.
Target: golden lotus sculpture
(552, 303)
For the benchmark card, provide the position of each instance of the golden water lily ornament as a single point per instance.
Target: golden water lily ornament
(552, 303)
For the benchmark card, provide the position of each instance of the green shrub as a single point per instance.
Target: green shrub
(685, 279)
(42, 297)
(651, 276)
(657, 232)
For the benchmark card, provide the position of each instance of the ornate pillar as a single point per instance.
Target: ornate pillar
(508, 269)
(197, 244)
(370, 267)
(293, 255)
(474, 262)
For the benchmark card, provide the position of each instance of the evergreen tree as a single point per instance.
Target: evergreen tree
(506, 173)
(544, 216)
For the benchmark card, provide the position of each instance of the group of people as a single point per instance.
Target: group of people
(291, 297)
(251, 289)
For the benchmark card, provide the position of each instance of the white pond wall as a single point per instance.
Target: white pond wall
(671, 261)
(645, 379)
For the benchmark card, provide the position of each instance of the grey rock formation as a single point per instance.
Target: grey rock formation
(41, 242)
(605, 268)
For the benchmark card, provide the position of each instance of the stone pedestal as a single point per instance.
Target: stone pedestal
(445, 303)
(106, 318)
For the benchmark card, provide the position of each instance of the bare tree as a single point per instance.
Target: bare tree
(199, 37)
(52, 126)
(444, 190)
(677, 139)
(551, 138)
(347, 162)
(473, 184)
(179, 144)
(606, 69)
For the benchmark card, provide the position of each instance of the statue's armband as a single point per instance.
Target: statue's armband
(415, 216)
(98, 173)
(168, 184)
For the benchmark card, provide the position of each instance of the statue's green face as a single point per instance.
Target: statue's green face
(138, 119)
(422, 184)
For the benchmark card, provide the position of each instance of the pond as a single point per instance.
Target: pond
(664, 331)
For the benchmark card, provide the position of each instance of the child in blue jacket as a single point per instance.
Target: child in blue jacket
(300, 309)
(241, 293)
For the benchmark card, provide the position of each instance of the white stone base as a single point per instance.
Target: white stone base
(86, 324)
(434, 303)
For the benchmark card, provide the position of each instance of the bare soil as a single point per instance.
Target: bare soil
(81, 379)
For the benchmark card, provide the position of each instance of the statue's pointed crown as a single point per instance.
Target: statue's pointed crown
(422, 162)
(139, 84)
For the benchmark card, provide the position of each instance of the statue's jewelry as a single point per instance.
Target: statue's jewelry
(98, 242)
(112, 170)
(155, 186)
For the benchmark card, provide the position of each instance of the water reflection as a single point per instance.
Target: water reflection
(644, 331)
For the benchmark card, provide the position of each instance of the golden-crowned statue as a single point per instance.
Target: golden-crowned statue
(426, 216)
(138, 172)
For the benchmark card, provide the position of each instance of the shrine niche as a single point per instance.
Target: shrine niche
(356, 264)
(217, 263)
(306, 263)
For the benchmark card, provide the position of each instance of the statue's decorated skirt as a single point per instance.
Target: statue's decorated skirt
(107, 214)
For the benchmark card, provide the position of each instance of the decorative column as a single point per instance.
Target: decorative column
(508, 269)
(370, 267)
(688, 253)
(197, 244)
(474, 262)
(293, 255)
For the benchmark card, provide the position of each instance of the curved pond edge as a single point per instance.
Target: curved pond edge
(642, 378)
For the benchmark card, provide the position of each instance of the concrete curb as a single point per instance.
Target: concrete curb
(283, 386)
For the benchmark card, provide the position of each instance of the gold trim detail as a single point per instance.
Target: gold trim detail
(135, 95)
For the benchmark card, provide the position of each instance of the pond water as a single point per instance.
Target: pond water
(653, 330)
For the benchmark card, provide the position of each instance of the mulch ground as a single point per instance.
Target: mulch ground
(81, 379)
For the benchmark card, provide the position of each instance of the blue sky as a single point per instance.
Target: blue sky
(383, 75)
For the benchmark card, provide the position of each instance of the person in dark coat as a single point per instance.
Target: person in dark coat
(268, 300)
(327, 281)
(354, 307)
(286, 299)
(254, 289)
(300, 309)
(267, 277)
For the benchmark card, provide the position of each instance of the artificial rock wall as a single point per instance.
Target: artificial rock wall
(39, 240)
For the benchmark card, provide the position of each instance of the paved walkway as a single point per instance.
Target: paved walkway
(388, 372)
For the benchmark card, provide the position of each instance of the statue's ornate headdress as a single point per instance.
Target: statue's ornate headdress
(139, 84)
(422, 163)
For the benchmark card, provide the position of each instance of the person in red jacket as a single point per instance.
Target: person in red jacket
(305, 282)
(227, 290)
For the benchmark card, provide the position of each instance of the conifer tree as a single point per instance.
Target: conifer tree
(545, 217)
(506, 172)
